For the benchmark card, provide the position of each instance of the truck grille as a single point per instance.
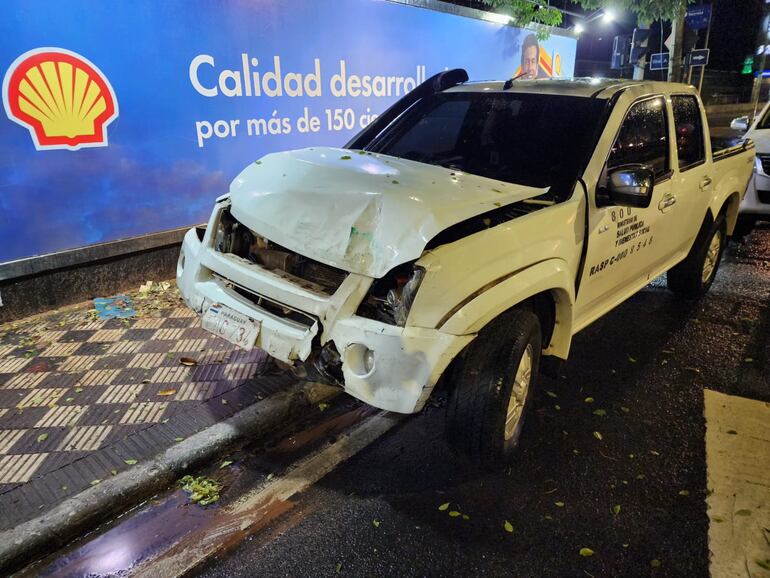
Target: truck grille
(765, 160)
(234, 237)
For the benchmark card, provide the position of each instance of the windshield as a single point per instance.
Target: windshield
(531, 139)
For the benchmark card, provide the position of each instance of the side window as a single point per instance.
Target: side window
(643, 138)
(689, 131)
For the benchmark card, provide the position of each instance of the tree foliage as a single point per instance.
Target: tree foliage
(526, 12)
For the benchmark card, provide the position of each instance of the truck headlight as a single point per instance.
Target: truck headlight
(390, 298)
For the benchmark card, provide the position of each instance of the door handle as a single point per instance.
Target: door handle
(705, 182)
(666, 202)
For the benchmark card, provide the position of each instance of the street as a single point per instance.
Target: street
(612, 462)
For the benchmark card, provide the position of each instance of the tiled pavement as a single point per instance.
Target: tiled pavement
(82, 399)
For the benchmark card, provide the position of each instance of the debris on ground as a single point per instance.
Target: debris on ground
(201, 490)
(118, 307)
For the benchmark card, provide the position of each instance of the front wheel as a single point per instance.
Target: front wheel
(693, 277)
(492, 393)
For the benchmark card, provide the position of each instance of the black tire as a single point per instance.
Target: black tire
(484, 383)
(743, 227)
(688, 279)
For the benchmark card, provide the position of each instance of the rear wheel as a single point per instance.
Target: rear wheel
(693, 277)
(492, 393)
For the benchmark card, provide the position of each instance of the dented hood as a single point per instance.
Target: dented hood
(361, 212)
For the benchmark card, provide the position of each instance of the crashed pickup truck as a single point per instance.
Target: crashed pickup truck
(466, 235)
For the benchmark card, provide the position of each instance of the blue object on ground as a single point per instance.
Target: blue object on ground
(118, 307)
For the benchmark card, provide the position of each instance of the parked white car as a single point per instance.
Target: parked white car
(756, 204)
(470, 230)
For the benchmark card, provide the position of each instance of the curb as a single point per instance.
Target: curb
(82, 512)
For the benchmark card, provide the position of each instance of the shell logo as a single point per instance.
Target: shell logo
(61, 98)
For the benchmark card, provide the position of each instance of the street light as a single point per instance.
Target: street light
(608, 16)
(579, 28)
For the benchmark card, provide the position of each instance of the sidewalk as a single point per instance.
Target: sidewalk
(82, 399)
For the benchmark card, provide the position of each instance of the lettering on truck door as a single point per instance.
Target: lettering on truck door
(626, 244)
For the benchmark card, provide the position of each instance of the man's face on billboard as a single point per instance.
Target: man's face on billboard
(530, 62)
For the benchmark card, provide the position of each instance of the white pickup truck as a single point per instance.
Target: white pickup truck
(756, 204)
(470, 230)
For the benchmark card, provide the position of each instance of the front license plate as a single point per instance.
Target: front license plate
(235, 327)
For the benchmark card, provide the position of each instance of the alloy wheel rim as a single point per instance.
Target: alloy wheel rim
(712, 256)
(519, 391)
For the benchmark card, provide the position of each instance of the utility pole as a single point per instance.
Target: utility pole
(677, 32)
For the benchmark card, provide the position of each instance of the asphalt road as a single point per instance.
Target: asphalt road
(635, 497)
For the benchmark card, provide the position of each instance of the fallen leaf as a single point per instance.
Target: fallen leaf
(129, 462)
(167, 392)
(94, 482)
(345, 157)
(616, 509)
(684, 492)
(586, 552)
(443, 507)
(732, 432)
(466, 517)
(631, 359)
(624, 409)
(338, 567)
(743, 513)
(654, 452)
(454, 514)
(598, 435)
(114, 472)
(589, 400)
(270, 476)
(655, 563)
(550, 394)
(188, 361)
(559, 504)
(323, 406)
(42, 437)
(508, 527)
(224, 401)
(599, 412)
(225, 463)
(78, 390)
(557, 407)
(376, 523)
(178, 439)
(717, 519)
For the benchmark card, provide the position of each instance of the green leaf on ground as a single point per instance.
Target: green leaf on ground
(270, 476)
(550, 394)
(323, 406)
(94, 482)
(224, 464)
(376, 523)
(78, 390)
(616, 509)
(631, 359)
(655, 563)
(557, 407)
(586, 552)
(624, 409)
(130, 462)
(598, 435)
(589, 400)
(201, 490)
(684, 492)
(338, 567)
(559, 504)
(508, 527)
(655, 453)
(599, 412)
(454, 514)
(743, 513)
(466, 517)
(42, 437)
(443, 507)
(178, 439)
(114, 472)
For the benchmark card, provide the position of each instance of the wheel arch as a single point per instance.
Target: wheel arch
(545, 287)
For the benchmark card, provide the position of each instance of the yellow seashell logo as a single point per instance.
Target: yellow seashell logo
(61, 98)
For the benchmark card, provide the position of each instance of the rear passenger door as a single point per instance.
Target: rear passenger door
(692, 181)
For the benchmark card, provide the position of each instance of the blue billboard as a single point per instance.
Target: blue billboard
(128, 117)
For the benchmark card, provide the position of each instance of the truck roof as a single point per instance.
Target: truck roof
(585, 87)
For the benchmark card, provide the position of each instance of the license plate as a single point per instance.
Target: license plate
(237, 328)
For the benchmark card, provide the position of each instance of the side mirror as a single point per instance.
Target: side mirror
(740, 123)
(629, 186)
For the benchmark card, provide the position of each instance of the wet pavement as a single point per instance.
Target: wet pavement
(612, 460)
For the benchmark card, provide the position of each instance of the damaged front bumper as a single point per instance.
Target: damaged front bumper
(389, 367)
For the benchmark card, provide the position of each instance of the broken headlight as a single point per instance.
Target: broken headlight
(390, 298)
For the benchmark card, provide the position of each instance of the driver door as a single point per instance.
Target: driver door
(627, 245)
